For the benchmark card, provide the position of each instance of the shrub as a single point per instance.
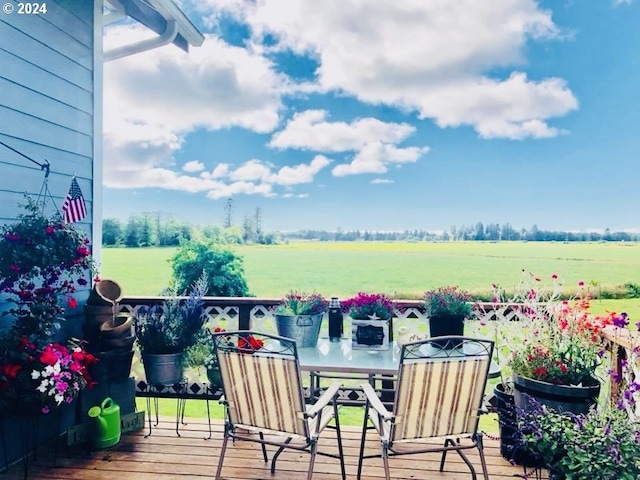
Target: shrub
(223, 268)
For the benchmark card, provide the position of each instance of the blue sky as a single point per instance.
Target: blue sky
(382, 115)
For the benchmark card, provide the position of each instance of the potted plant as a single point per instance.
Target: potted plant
(43, 260)
(371, 320)
(557, 363)
(602, 443)
(544, 344)
(39, 378)
(164, 333)
(201, 356)
(447, 308)
(299, 317)
(510, 319)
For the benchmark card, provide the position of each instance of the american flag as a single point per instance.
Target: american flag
(74, 209)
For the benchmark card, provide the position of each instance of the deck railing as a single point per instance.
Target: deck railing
(246, 313)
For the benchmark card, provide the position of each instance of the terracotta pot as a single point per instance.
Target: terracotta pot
(120, 327)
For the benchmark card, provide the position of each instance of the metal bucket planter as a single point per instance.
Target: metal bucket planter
(163, 369)
(304, 329)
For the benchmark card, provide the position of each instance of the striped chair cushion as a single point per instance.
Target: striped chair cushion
(264, 392)
(439, 398)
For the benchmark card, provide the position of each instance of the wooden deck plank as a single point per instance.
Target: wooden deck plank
(163, 455)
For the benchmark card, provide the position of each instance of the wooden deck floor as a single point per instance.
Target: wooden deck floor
(163, 455)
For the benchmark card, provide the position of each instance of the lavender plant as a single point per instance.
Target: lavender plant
(173, 326)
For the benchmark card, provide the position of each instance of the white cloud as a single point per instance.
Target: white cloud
(193, 166)
(433, 58)
(153, 99)
(375, 158)
(310, 130)
(253, 170)
(622, 2)
(381, 181)
(301, 173)
(237, 188)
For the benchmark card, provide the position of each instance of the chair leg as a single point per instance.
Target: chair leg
(444, 453)
(339, 435)
(222, 452)
(264, 448)
(362, 439)
(466, 460)
(385, 460)
(312, 460)
(277, 454)
(483, 461)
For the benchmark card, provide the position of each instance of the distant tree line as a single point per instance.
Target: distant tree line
(490, 232)
(152, 229)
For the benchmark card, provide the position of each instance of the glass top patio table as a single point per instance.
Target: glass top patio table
(329, 356)
(339, 357)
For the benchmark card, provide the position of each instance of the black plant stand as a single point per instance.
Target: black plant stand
(29, 432)
(177, 391)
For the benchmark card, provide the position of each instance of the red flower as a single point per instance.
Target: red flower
(48, 356)
(72, 302)
(50, 230)
(540, 371)
(10, 371)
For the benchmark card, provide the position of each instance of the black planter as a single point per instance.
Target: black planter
(506, 410)
(563, 398)
(112, 366)
(444, 325)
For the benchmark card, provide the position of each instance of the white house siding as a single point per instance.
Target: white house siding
(47, 104)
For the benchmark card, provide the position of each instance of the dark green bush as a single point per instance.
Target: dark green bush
(223, 268)
(632, 289)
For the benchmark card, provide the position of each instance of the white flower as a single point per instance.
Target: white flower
(43, 386)
(59, 398)
(35, 374)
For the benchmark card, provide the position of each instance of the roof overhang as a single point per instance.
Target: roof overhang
(161, 16)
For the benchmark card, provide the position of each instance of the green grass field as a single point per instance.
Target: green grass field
(402, 269)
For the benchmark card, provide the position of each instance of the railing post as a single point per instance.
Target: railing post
(244, 316)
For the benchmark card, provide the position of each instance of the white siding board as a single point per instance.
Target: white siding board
(38, 105)
(60, 38)
(82, 10)
(12, 199)
(17, 70)
(61, 161)
(17, 124)
(39, 53)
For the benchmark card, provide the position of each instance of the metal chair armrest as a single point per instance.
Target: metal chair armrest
(375, 402)
(324, 399)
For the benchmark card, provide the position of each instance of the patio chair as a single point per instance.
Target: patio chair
(438, 401)
(265, 401)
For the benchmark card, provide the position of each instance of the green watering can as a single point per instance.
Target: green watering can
(106, 424)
